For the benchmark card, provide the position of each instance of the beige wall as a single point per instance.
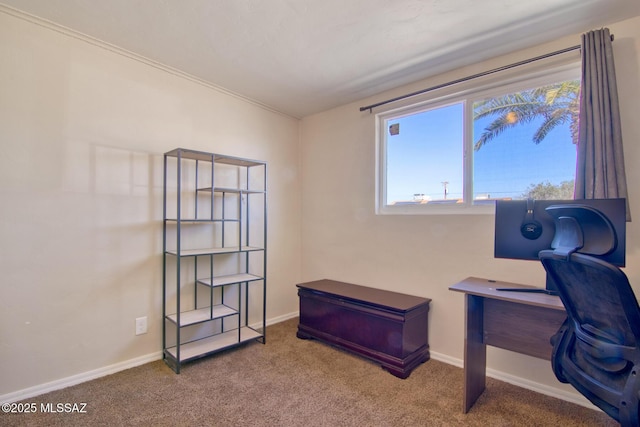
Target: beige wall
(343, 239)
(82, 132)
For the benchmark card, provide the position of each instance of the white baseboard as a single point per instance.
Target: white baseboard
(101, 372)
(282, 318)
(446, 359)
(79, 378)
(521, 382)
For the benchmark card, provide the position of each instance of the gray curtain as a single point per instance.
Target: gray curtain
(600, 166)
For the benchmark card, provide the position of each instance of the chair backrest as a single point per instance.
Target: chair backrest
(597, 350)
(595, 293)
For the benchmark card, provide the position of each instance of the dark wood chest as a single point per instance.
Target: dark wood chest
(387, 327)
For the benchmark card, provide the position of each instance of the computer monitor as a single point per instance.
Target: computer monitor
(524, 227)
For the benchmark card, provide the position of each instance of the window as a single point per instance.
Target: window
(461, 151)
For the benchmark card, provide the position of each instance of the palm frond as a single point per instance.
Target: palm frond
(494, 129)
(556, 104)
(548, 125)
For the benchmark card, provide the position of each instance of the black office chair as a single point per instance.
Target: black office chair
(596, 350)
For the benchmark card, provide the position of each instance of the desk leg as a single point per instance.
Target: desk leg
(475, 351)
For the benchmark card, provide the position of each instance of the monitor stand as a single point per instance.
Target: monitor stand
(550, 288)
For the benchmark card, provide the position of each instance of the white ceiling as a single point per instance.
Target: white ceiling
(304, 56)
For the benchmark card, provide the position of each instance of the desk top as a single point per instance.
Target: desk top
(379, 297)
(487, 288)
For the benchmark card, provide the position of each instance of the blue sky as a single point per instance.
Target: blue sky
(428, 152)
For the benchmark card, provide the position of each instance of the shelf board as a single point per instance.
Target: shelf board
(229, 279)
(214, 343)
(218, 158)
(231, 190)
(214, 251)
(202, 315)
(200, 220)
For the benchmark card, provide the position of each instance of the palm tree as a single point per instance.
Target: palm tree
(556, 104)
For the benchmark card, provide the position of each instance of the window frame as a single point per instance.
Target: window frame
(482, 88)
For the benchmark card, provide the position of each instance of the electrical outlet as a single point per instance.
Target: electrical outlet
(141, 325)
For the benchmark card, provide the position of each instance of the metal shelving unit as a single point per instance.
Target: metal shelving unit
(214, 252)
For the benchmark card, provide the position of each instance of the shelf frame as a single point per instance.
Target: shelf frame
(218, 311)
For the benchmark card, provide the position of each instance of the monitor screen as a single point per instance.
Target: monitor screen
(523, 227)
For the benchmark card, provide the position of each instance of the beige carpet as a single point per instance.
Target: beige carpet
(293, 382)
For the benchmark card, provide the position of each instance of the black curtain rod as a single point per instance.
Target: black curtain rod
(475, 76)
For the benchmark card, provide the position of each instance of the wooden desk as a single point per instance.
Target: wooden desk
(516, 321)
